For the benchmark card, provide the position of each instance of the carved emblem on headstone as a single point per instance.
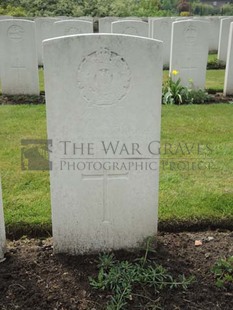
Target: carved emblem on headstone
(109, 82)
(15, 33)
(72, 30)
(190, 34)
(130, 30)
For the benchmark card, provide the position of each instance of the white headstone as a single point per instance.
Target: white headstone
(18, 58)
(24, 18)
(150, 22)
(105, 94)
(105, 24)
(228, 82)
(223, 38)
(87, 18)
(214, 32)
(189, 52)
(132, 27)
(162, 30)
(70, 27)
(130, 18)
(2, 227)
(44, 30)
(181, 18)
(5, 17)
(196, 17)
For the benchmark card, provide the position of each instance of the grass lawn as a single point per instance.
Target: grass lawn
(214, 79)
(204, 194)
(212, 57)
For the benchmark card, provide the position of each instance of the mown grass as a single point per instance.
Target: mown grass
(214, 79)
(41, 79)
(185, 194)
(212, 57)
(26, 194)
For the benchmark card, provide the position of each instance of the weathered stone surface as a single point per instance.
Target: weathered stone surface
(132, 27)
(189, 52)
(44, 30)
(18, 58)
(70, 27)
(223, 38)
(103, 198)
(162, 30)
(228, 82)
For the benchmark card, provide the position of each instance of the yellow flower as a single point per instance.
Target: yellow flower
(175, 72)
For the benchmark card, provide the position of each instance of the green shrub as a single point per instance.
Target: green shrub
(98, 8)
(227, 9)
(13, 11)
(204, 9)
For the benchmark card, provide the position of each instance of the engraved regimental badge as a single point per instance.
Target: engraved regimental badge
(103, 78)
(15, 33)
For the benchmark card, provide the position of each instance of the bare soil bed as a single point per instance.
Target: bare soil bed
(32, 277)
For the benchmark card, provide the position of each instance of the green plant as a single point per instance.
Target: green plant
(223, 271)
(227, 9)
(175, 93)
(172, 90)
(215, 64)
(194, 96)
(204, 9)
(124, 278)
(106, 261)
(12, 11)
(184, 13)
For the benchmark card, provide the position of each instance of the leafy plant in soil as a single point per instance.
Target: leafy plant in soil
(175, 93)
(123, 279)
(223, 271)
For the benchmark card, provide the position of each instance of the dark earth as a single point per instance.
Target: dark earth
(32, 277)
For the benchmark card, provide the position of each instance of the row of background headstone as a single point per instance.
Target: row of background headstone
(191, 62)
(157, 28)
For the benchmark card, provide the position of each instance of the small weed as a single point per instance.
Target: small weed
(123, 278)
(223, 271)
